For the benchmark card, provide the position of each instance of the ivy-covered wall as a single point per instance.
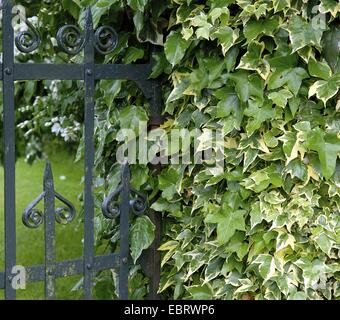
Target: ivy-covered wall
(267, 72)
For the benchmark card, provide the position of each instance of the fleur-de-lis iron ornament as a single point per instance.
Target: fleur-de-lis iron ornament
(137, 201)
(33, 217)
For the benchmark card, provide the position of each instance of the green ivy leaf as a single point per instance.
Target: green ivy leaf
(312, 271)
(280, 98)
(331, 6)
(131, 117)
(319, 69)
(175, 47)
(327, 145)
(203, 292)
(325, 90)
(279, 5)
(258, 115)
(228, 221)
(291, 77)
(266, 266)
(133, 54)
(303, 33)
(137, 4)
(254, 28)
(332, 49)
(72, 7)
(142, 235)
(226, 38)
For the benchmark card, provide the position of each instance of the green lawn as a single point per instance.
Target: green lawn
(30, 242)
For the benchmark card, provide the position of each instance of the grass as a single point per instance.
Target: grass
(30, 242)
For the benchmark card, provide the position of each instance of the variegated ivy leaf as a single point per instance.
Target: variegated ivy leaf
(252, 60)
(221, 13)
(250, 9)
(319, 69)
(226, 37)
(284, 240)
(291, 77)
(325, 89)
(292, 146)
(254, 28)
(332, 6)
(256, 216)
(261, 179)
(249, 157)
(280, 5)
(200, 21)
(313, 271)
(258, 114)
(247, 285)
(142, 236)
(266, 266)
(228, 221)
(323, 240)
(203, 292)
(280, 98)
(303, 33)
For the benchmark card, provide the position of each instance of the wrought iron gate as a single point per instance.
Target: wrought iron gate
(103, 40)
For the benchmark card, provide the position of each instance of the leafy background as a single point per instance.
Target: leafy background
(268, 73)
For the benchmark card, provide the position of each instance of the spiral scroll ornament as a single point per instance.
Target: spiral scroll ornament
(65, 214)
(32, 217)
(137, 203)
(29, 40)
(110, 205)
(70, 39)
(105, 40)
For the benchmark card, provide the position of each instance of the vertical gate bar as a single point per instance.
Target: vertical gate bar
(124, 208)
(153, 256)
(89, 156)
(49, 233)
(9, 146)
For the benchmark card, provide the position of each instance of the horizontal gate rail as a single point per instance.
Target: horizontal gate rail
(138, 73)
(119, 204)
(68, 268)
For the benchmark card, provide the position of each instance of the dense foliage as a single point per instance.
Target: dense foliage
(268, 73)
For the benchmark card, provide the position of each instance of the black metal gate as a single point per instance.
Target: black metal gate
(120, 203)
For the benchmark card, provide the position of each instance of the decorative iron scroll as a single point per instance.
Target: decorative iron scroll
(69, 38)
(29, 40)
(33, 217)
(105, 40)
(137, 202)
(72, 40)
